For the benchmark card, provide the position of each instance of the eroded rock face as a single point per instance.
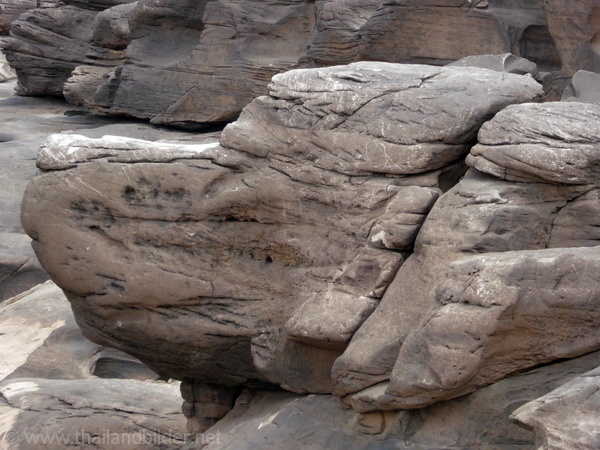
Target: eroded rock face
(10, 10)
(478, 420)
(40, 339)
(452, 321)
(255, 260)
(90, 413)
(47, 43)
(566, 417)
(211, 58)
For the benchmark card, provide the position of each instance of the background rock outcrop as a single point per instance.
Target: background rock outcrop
(211, 58)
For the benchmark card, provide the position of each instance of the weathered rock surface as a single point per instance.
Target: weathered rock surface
(584, 87)
(574, 28)
(40, 339)
(165, 268)
(25, 123)
(567, 417)
(268, 420)
(93, 413)
(58, 390)
(46, 44)
(471, 329)
(10, 10)
(213, 58)
(549, 143)
(505, 62)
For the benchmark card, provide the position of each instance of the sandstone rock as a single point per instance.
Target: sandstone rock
(574, 28)
(553, 142)
(109, 414)
(338, 38)
(40, 339)
(583, 88)
(11, 10)
(566, 417)
(220, 266)
(481, 214)
(500, 313)
(61, 35)
(47, 43)
(269, 420)
(213, 58)
(375, 117)
(550, 150)
(435, 32)
(24, 124)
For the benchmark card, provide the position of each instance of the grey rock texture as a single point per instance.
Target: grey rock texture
(574, 28)
(40, 339)
(271, 420)
(265, 265)
(566, 417)
(108, 414)
(25, 122)
(550, 143)
(583, 88)
(211, 58)
(505, 62)
(46, 44)
(550, 207)
(58, 390)
(10, 10)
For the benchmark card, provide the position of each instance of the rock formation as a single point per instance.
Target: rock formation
(57, 389)
(211, 58)
(25, 123)
(415, 246)
(566, 417)
(278, 279)
(10, 10)
(542, 195)
(266, 419)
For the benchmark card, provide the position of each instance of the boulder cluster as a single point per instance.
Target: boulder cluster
(389, 246)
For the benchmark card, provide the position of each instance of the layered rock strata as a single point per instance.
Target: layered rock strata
(211, 58)
(255, 260)
(46, 44)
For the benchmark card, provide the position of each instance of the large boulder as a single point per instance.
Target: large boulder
(211, 58)
(254, 261)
